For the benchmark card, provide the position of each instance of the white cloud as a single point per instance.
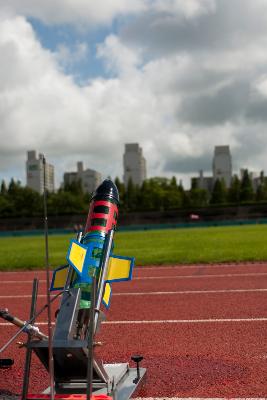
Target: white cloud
(119, 58)
(86, 12)
(74, 12)
(188, 8)
(261, 85)
(178, 91)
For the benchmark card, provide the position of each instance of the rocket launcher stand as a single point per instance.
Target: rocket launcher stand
(73, 348)
(85, 284)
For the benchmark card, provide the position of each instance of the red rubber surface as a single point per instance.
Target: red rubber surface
(199, 359)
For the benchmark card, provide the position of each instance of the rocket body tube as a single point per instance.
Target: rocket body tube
(103, 211)
(102, 218)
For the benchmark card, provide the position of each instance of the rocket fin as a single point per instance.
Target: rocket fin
(59, 278)
(76, 255)
(120, 269)
(107, 295)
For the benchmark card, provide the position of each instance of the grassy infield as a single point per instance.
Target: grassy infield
(177, 246)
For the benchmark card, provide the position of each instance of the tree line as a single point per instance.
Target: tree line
(154, 194)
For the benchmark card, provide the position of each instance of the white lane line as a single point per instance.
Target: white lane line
(169, 321)
(23, 296)
(199, 398)
(34, 274)
(185, 321)
(166, 293)
(140, 278)
(199, 276)
(188, 292)
(38, 323)
(18, 281)
(202, 266)
(167, 267)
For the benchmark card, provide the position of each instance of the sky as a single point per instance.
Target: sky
(80, 78)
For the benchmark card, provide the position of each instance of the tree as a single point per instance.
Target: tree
(173, 183)
(131, 196)
(173, 196)
(145, 201)
(3, 190)
(121, 189)
(197, 197)
(74, 187)
(13, 187)
(219, 192)
(194, 183)
(246, 188)
(261, 192)
(65, 203)
(234, 190)
(184, 195)
(6, 207)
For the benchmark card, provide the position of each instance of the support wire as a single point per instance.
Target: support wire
(49, 323)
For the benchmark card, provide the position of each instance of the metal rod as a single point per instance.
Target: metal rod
(11, 340)
(28, 357)
(90, 339)
(49, 324)
(27, 328)
(104, 268)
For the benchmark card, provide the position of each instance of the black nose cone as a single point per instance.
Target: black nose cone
(107, 190)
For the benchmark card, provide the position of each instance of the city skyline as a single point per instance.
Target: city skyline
(220, 164)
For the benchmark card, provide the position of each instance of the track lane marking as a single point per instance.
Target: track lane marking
(189, 292)
(166, 321)
(199, 276)
(18, 282)
(168, 277)
(159, 293)
(198, 398)
(167, 267)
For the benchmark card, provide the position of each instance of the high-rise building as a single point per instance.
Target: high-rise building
(134, 164)
(89, 178)
(35, 173)
(222, 164)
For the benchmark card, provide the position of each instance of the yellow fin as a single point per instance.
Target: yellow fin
(119, 269)
(77, 255)
(59, 278)
(107, 294)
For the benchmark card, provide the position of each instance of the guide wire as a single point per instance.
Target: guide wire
(49, 324)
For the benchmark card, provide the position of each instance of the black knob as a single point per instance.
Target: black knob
(137, 358)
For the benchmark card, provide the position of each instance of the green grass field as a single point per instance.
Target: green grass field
(174, 246)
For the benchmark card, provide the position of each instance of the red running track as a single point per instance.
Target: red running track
(201, 329)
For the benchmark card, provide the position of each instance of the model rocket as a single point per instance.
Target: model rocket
(92, 255)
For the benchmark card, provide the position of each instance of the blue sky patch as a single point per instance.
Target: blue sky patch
(56, 37)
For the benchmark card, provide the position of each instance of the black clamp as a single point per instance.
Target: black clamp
(137, 359)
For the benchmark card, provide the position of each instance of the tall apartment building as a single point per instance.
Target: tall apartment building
(35, 173)
(222, 164)
(134, 164)
(89, 178)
